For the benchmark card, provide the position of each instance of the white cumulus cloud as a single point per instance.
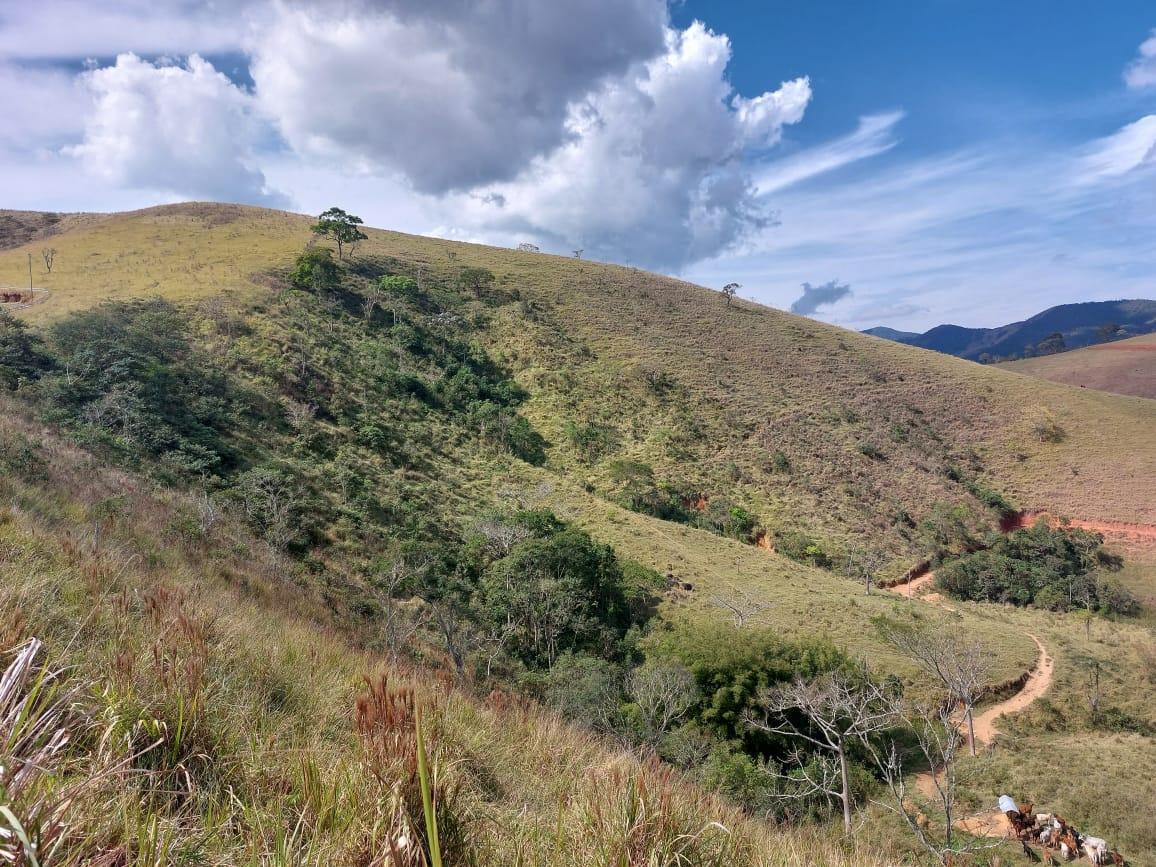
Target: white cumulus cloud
(451, 94)
(1141, 72)
(653, 170)
(183, 129)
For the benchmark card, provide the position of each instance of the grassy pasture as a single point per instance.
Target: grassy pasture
(1122, 367)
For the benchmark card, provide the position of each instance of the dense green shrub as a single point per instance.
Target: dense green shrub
(128, 375)
(564, 592)
(21, 355)
(315, 271)
(730, 668)
(1058, 569)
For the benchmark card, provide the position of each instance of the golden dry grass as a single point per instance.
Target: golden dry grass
(1123, 367)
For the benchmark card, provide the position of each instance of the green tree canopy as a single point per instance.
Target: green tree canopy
(316, 271)
(341, 227)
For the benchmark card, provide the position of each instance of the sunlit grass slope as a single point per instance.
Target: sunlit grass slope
(816, 430)
(866, 424)
(1122, 367)
(179, 252)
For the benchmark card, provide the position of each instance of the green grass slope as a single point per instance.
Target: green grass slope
(835, 444)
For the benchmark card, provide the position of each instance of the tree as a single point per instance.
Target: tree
(316, 271)
(1108, 331)
(730, 290)
(565, 592)
(1051, 344)
(476, 280)
(863, 564)
(840, 710)
(272, 504)
(342, 228)
(663, 693)
(742, 607)
(49, 254)
(938, 742)
(961, 666)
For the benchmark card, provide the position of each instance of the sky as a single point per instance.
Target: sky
(884, 163)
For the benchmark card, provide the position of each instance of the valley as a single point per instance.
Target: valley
(231, 492)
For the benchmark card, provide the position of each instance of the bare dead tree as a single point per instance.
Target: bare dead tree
(840, 710)
(500, 538)
(299, 413)
(939, 742)
(494, 640)
(397, 629)
(208, 511)
(49, 255)
(663, 693)
(962, 666)
(742, 606)
(372, 299)
(862, 565)
(524, 498)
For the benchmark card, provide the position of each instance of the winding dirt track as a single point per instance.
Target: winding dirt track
(1039, 677)
(1037, 684)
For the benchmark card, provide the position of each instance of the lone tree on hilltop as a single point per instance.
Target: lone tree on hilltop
(342, 228)
(729, 291)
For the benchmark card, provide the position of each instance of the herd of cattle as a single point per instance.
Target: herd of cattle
(13, 296)
(1056, 836)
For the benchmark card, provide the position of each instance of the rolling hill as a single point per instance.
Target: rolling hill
(1121, 367)
(1079, 324)
(689, 434)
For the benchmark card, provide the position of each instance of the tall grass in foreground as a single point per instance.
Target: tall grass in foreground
(204, 724)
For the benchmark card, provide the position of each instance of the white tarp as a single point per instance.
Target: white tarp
(1006, 804)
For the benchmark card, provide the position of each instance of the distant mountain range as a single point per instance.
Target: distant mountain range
(1068, 326)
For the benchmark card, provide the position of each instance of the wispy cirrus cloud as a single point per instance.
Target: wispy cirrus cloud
(1131, 148)
(973, 237)
(873, 136)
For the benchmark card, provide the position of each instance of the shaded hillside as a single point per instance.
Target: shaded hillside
(18, 228)
(1121, 367)
(1077, 324)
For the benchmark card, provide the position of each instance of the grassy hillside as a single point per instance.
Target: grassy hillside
(1122, 367)
(668, 424)
(256, 697)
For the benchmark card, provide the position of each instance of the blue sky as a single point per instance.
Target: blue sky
(867, 163)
